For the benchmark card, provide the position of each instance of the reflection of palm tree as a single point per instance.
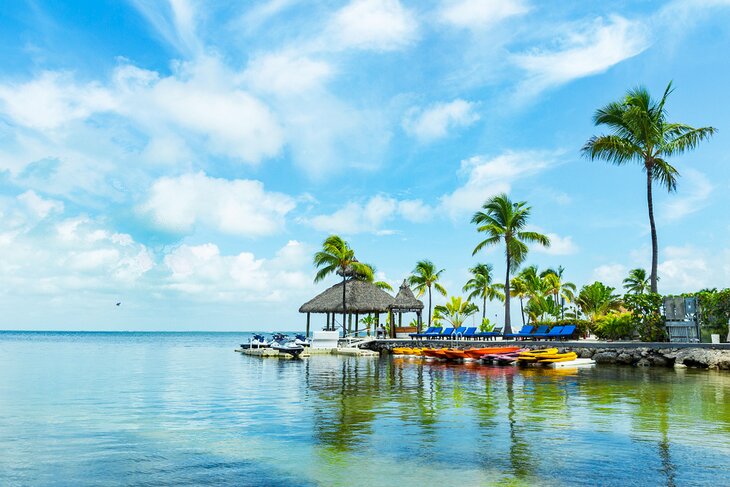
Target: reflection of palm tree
(519, 452)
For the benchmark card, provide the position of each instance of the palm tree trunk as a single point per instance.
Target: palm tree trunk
(654, 249)
(344, 304)
(507, 318)
(522, 310)
(484, 308)
(429, 305)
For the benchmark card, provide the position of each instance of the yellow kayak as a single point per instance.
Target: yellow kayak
(564, 357)
(401, 351)
(539, 353)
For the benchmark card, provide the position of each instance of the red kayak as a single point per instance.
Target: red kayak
(455, 354)
(434, 352)
(476, 353)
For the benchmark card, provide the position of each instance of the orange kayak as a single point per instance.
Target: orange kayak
(433, 352)
(455, 354)
(476, 353)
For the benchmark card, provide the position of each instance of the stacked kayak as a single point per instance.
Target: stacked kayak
(477, 353)
(407, 351)
(551, 358)
(434, 353)
(533, 356)
(503, 358)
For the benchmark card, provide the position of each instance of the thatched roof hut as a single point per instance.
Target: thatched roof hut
(360, 297)
(405, 301)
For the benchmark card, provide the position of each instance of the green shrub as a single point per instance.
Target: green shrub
(646, 316)
(486, 326)
(714, 311)
(615, 326)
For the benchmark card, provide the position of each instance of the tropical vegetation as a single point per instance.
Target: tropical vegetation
(480, 286)
(423, 278)
(637, 282)
(503, 220)
(597, 299)
(640, 132)
(456, 311)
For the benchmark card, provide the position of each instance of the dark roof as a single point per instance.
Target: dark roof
(405, 300)
(360, 297)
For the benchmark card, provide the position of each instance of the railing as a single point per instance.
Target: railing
(682, 331)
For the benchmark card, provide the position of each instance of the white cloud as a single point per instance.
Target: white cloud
(695, 191)
(611, 275)
(41, 207)
(686, 269)
(286, 74)
(415, 210)
(487, 177)
(174, 21)
(371, 216)
(583, 51)
(202, 271)
(435, 121)
(480, 14)
(381, 25)
(240, 206)
(558, 245)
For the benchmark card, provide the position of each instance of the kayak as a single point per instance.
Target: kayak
(476, 353)
(432, 352)
(579, 362)
(455, 354)
(533, 353)
(558, 357)
(401, 351)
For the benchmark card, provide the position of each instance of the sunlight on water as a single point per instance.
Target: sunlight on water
(184, 409)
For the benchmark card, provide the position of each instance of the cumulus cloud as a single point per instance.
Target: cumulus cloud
(370, 216)
(559, 245)
(202, 271)
(696, 190)
(435, 121)
(486, 177)
(240, 206)
(611, 274)
(582, 51)
(286, 73)
(480, 14)
(381, 25)
(40, 207)
(689, 268)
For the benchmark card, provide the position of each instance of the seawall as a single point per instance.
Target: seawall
(642, 354)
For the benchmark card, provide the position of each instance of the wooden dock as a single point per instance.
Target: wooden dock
(270, 352)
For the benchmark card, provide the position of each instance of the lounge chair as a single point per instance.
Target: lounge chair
(489, 335)
(526, 330)
(470, 333)
(432, 331)
(553, 333)
(459, 332)
(446, 333)
(568, 332)
(539, 333)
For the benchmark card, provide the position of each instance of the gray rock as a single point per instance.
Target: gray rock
(644, 362)
(625, 358)
(605, 357)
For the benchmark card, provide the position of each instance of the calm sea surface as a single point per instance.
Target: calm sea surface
(154, 409)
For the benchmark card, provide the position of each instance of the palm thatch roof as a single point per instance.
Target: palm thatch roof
(360, 297)
(405, 300)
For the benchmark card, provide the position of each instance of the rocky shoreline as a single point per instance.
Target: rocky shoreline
(620, 353)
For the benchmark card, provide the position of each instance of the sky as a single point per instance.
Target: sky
(187, 157)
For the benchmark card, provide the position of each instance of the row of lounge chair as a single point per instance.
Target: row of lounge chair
(461, 333)
(470, 333)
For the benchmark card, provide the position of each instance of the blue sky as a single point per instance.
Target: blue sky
(187, 157)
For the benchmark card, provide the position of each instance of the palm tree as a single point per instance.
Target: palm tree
(562, 291)
(641, 133)
(503, 220)
(456, 311)
(481, 286)
(424, 277)
(518, 289)
(336, 256)
(637, 282)
(371, 278)
(597, 299)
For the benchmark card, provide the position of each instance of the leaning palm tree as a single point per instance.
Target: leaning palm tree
(371, 278)
(519, 289)
(424, 277)
(481, 286)
(504, 221)
(336, 256)
(637, 282)
(641, 133)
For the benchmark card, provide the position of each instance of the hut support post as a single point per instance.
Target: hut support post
(328, 322)
(357, 322)
(307, 331)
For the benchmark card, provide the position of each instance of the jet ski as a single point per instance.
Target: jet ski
(283, 344)
(256, 341)
(300, 339)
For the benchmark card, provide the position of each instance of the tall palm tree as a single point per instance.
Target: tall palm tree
(336, 256)
(481, 286)
(641, 133)
(423, 278)
(562, 291)
(637, 282)
(371, 278)
(504, 221)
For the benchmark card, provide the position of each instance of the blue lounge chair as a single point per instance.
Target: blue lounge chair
(432, 331)
(553, 333)
(459, 332)
(470, 333)
(541, 330)
(568, 332)
(526, 330)
(489, 335)
(446, 333)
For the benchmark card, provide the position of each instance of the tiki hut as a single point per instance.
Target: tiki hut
(361, 297)
(405, 302)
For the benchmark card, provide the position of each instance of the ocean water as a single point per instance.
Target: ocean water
(149, 409)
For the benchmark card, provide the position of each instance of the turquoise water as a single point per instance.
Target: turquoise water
(183, 409)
